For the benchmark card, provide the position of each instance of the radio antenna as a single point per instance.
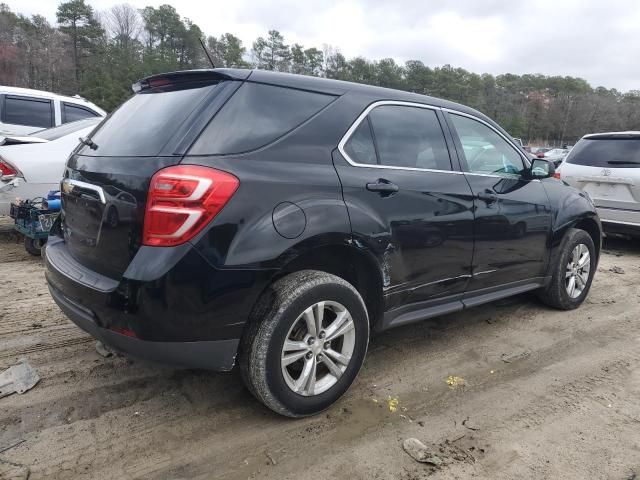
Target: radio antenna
(206, 52)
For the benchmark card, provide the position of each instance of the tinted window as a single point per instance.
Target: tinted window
(484, 150)
(409, 137)
(606, 153)
(28, 111)
(71, 113)
(146, 122)
(66, 129)
(360, 146)
(257, 115)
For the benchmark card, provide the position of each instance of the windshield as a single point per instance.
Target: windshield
(606, 153)
(66, 129)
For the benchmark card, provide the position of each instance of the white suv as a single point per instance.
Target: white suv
(607, 167)
(24, 111)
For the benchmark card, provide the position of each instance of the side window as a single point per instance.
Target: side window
(71, 113)
(484, 150)
(257, 115)
(33, 112)
(405, 136)
(360, 146)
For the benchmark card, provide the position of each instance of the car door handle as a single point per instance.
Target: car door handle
(487, 196)
(383, 187)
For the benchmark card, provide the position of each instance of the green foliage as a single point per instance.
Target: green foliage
(100, 60)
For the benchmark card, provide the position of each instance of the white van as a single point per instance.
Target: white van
(24, 111)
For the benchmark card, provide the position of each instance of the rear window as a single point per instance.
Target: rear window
(147, 122)
(256, 115)
(606, 153)
(33, 112)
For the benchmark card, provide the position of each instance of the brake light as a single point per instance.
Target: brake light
(557, 174)
(182, 200)
(7, 170)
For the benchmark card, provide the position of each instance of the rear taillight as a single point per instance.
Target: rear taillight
(7, 170)
(182, 200)
(557, 174)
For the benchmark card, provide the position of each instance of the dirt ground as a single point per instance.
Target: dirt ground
(545, 394)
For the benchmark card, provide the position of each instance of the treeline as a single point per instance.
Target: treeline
(100, 54)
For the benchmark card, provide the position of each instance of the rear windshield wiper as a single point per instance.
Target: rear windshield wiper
(623, 162)
(88, 142)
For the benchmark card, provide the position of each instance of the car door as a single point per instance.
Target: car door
(512, 212)
(22, 115)
(406, 203)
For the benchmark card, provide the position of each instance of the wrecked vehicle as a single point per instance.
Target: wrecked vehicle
(274, 220)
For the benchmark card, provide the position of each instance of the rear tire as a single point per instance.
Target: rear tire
(34, 245)
(573, 271)
(323, 320)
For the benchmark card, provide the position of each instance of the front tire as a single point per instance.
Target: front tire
(573, 271)
(305, 344)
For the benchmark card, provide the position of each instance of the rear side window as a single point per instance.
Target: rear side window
(71, 113)
(400, 136)
(147, 122)
(606, 153)
(33, 112)
(360, 146)
(257, 115)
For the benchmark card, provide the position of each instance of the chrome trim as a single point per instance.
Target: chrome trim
(473, 117)
(86, 186)
(364, 114)
(493, 175)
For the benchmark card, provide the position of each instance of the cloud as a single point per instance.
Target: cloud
(593, 40)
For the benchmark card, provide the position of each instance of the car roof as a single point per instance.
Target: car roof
(613, 135)
(49, 95)
(317, 84)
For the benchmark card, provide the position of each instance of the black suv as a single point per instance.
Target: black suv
(273, 220)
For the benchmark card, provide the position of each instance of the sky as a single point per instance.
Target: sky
(595, 40)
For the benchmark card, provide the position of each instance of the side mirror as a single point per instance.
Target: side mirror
(541, 168)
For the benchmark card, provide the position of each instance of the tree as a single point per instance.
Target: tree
(271, 53)
(77, 20)
(227, 51)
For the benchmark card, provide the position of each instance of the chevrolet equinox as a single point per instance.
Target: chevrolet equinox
(268, 220)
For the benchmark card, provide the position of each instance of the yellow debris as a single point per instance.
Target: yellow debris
(454, 381)
(392, 403)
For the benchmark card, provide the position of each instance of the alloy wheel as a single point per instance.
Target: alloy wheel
(318, 348)
(577, 272)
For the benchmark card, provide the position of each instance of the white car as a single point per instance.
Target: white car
(607, 167)
(32, 165)
(556, 155)
(24, 111)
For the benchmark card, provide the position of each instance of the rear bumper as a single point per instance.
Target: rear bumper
(192, 315)
(216, 355)
(624, 222)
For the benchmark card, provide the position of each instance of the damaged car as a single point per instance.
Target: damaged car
(274, 221)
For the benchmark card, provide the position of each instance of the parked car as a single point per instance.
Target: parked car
(271, 231)
(24, 111)
(556, 155)
(32, 165)
(607, 167)
(539, 151)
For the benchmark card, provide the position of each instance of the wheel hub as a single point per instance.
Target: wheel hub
(318, 348)
(578, 269)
